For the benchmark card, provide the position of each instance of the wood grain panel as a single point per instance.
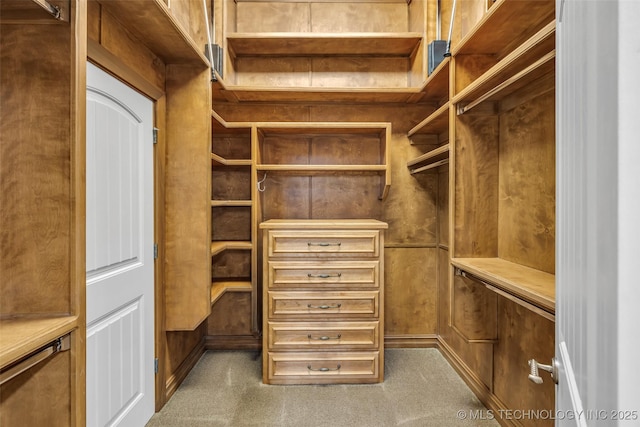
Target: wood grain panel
(231, 223)
(443, 205)
(289, 149)
(231, 183)
(273, 71)
(179, 345)
(40, 396)
(188, 213)
(119, 41)
(411, 300)
(346, 196)
(36, 150)
(469, 67)
(476, 186)
(230, 147)
(526, 218)
(285, 197)
(346, 150)
(360, 72)
(410, 208)
(523, 335)
(474, 310)
(231, 315)
(231, 264)
(359, 17)
(255, 17)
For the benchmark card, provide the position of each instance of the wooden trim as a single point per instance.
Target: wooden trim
(174, 381)
(115, 66)
(411, 341)
(232, 342)
(475, 384)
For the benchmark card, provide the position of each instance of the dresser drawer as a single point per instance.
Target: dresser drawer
(323, 368)
(323, 275)
(323, 335)
(322, 305)
(323, 243)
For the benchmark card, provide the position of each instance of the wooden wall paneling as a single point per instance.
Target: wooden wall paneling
(187, 272)
(343, 150)
(526, 216)
(469, 68)
(411, 291)
(360, 72)
(119, 41)
(41, 396)
(474, 310)
(36, 151)
(421, 17)
(257, 17)
(476, 186)
(443, 206)
(231, 183)
(191, 15)
(523, 335)
(231, 223)
(231, 315)
(345, 196)
(285, 197)
(273, 71)
(359, 17)
(183, 350)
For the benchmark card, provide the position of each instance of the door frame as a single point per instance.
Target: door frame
(102, 58)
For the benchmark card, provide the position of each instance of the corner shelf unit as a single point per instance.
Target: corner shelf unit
(434, 129)
(233, 212)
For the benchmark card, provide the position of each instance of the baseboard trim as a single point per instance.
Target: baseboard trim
(411, 341)
(174, 381)
(232, 342)
(485, 395)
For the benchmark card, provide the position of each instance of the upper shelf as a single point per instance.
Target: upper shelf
(234, 93)
(152, 22)
(314, 44)
(506, 25)
(436, 87)
(529, 61)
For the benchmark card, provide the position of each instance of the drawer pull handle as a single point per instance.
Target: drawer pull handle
(324, 369)
(324, 337)
(323, 276)
(324, 244)
(324, 306)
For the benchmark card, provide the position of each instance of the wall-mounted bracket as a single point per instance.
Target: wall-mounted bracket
(215, 55)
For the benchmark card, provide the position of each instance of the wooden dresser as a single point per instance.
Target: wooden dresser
(323, 293)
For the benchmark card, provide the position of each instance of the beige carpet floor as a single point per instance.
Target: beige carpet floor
(225, 389)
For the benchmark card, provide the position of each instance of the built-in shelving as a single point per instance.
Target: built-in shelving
(221, 246)
(153, 23)
(430, 160)
(435, 124)
(22, 335)
(436, 87)
(34, 11)
(236, 203)
(534, 286)
(230, 162)
(531, 60)
(285, 148)
(322, 44)
(506, 25)
(220, 288)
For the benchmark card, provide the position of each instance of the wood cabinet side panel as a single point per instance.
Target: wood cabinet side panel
(188, 192)
(36, 170)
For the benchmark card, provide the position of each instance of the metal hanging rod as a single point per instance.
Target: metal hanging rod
(56, 346)
(54, 11)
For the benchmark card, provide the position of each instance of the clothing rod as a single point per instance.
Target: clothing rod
(56, 346)
(53, 10)
(507, 295)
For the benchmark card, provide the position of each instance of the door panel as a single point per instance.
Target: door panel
(120, 283)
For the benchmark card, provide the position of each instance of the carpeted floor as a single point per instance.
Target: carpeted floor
(420, 389)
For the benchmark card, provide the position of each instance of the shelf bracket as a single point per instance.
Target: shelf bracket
(55, 11)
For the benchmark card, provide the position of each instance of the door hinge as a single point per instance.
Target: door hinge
(155, 365)
(155, 251)
(155, 135)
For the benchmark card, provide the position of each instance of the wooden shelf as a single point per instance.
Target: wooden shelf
(323, 44)
(528, 284)
(22, 335)
(506, 24)
(230, 162)
(220, 288)
(436, 87)
(232, 245)
(235, 203)
(528, 62)
(152, 22)
(434, 124)
(430, 160)
(234, 93)
(322, 168)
